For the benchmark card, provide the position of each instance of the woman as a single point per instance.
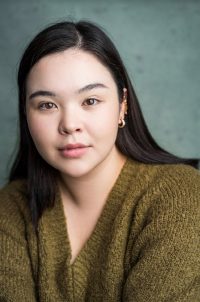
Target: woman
(94, 210)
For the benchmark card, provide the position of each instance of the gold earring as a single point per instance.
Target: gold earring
(122, 123)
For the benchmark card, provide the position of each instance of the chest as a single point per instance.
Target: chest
(98, 244)
(80, 226)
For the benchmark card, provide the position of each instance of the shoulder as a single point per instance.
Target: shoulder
(177, 177)
(14, 203)
(178, 180)
(164, 232)
(167, 187)
(13, 192)
(178, 171)
(18, 185)
(167, 205)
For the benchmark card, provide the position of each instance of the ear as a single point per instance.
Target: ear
(123, 106)
(123, 110)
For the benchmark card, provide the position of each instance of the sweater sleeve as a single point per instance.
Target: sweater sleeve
(167, 268)
(16, 278)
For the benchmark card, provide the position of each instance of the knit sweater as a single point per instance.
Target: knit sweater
(145, 246)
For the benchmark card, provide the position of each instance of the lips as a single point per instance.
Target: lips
(73, 150)
(73, 146)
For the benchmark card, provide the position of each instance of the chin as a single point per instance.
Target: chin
(75, 171)
(78, 168)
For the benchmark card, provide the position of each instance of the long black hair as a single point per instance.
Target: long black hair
(134, 140)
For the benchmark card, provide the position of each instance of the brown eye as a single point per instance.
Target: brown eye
(47, 106)
(90, 102)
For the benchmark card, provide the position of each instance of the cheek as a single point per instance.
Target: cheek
(39, 129)
(106, 126)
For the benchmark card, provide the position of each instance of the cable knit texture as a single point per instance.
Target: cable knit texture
(145, 246)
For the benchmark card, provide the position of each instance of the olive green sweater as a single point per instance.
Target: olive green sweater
(145, 246)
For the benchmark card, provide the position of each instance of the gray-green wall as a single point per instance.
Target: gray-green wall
(159, 41)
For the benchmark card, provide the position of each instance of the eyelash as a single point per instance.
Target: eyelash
(50, 105)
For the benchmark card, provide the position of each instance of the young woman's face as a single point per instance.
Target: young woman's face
(73, 111)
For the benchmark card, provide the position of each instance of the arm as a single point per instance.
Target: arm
(167, 268)
(16, 278)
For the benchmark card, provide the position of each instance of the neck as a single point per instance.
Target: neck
(91, 190)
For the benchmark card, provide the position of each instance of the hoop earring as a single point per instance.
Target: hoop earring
(122, 123)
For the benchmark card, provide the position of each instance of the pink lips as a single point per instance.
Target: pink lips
(73, 150)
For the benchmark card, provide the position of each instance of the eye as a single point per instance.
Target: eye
(90, 102)
(47, 106)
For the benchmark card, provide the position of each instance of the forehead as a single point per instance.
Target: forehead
(72, 68)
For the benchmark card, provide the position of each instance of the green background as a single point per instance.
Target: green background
(159, 42)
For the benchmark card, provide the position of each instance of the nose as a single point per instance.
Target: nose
(69, 123)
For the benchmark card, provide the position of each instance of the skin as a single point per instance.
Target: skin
(90, 117)
(70, 115)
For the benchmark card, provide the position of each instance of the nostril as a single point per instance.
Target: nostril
(62, 130)
(68, 130)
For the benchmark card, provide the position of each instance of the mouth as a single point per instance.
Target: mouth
(74, 150)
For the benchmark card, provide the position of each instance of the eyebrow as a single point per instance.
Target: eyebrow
(92, 86)
(41, 93)
(81, 90)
